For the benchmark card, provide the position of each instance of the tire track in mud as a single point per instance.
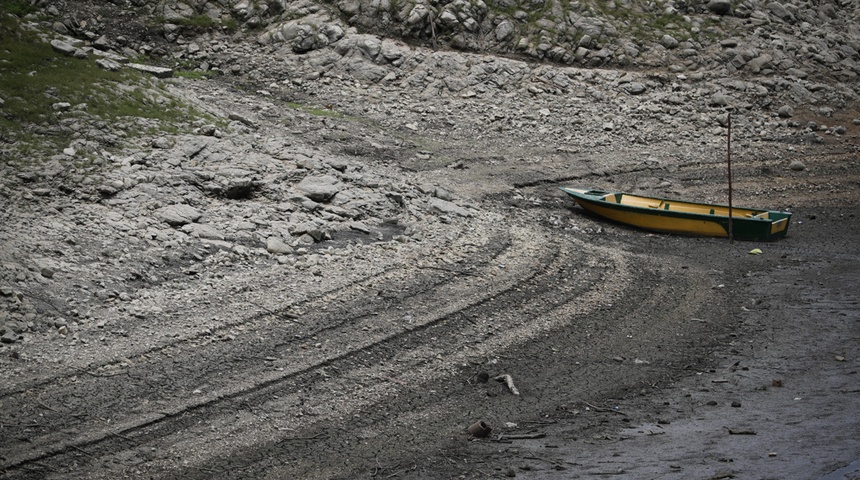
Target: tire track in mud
(417, 336)
(400, 276)
(262, 316)
(67, 400)
(426, 365)
(419, 377)
(175, 416)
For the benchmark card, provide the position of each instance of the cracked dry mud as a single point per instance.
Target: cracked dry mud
(628, 348)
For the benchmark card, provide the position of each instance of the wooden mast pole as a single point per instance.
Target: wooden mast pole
(729, 158)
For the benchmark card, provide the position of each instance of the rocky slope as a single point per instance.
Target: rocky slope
(365, 196)
(798, 39)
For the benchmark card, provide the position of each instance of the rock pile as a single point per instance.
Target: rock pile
(91, 239)
(779, 57)
(791, 38)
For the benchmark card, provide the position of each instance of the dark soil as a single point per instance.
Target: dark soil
(636, 355)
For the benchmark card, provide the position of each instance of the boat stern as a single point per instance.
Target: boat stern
(781, 221)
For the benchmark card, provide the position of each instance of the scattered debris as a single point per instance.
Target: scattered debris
(603, 409)
(509, 382)
(521, 436)
(479, 429)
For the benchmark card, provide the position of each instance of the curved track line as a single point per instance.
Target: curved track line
(238, 389)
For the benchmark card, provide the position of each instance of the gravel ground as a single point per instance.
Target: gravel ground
(635, 355)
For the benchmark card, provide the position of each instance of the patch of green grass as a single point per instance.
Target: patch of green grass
(505, 11)
(316, 111)
(394, 7)
(671, 23)
(194, 74)
(201, 22)
(17, 7)
(639, 21)
(230, 24)
(706, 31)
(198, 23)
(37, 81)
(540, 13)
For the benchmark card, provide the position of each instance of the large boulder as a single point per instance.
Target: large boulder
(179, 214)
(320, 188)
(720, 7)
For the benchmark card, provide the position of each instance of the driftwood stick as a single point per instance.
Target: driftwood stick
(433, 29)
(314, 437)
(521, 436)
(392, 379)
(509, 382)
(283, 315)
(36, 466)
(733, 431)
(82, 450)
(103, 375)
(207, 470)
(721, 476)
(124, 437)
(603, 409)
(43, 405)
(20, 425)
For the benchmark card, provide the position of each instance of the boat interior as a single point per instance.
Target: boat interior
(686, 207)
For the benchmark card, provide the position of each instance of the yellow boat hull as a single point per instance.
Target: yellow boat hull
(681, 217)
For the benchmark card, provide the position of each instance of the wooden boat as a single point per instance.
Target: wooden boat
(680, 217)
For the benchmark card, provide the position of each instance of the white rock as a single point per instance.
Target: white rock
(447, 207)
(179, 214)
(277, 246)
(160, 72)
(204, 231)
(319, 188)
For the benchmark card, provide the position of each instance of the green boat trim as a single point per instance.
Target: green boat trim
(683, 217)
